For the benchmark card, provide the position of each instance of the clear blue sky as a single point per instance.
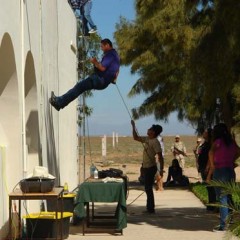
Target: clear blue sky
(109, 112)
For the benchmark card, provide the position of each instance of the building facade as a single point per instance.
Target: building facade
(37, 56)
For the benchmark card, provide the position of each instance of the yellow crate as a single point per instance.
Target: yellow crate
(48, 215)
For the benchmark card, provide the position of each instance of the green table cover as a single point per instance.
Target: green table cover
(103, 192)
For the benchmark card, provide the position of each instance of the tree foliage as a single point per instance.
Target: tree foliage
(186, 54)
(215, 60)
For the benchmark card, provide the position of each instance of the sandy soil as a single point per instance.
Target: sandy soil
(133, 172)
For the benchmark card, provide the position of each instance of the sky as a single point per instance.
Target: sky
(111, 109)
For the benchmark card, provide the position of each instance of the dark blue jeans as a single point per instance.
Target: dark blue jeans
(223, 175)
(149, 174)
(92, 82)
(85, 28)
(203, 174)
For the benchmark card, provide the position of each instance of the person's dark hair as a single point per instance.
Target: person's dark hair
(221, 131)
(175, 163)
(106, 41)
(157, 129)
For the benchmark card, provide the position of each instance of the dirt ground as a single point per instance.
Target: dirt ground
(128, 153)
(133, 172)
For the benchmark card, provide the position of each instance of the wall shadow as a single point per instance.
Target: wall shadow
(32, 133)
(34, 156)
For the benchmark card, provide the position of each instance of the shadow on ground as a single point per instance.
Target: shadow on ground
(186, 219)
(176, 218)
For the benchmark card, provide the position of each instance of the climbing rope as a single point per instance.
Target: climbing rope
(128, 112)
(134, 200)
(124, 102)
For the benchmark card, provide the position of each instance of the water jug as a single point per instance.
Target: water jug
(96, 173)
(92, 169)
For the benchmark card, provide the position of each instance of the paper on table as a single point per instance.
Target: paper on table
(110, 179)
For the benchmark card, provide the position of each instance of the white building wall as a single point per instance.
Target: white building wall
(36, 58)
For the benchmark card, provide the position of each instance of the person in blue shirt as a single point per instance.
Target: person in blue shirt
(105, 72)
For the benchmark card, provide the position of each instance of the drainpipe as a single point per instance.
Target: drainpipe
(41, 106)
(24, 152)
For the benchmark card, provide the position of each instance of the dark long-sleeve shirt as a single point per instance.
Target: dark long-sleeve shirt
(75, 4)
(174, 173)
(203, 156)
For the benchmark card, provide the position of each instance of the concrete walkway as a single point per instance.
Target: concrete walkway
(179, 215)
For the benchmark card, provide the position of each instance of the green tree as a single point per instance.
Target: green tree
(158, 47)
(215, 61)
(186, 54)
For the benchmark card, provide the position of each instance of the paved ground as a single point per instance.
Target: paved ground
(179, 215)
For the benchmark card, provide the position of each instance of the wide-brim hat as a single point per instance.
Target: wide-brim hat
(41, 172)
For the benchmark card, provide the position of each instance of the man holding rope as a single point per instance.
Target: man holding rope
(152, 149)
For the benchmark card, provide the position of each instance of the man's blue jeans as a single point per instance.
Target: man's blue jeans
(92, 82)
(149, 177)
(224, 175)
(77, 13)
(87, 13)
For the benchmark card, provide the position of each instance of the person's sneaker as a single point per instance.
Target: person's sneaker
(53, 101)
(218, 229)
(93, 30)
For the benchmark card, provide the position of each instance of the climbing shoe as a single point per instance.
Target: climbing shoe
(93, 30)
(53, 101)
